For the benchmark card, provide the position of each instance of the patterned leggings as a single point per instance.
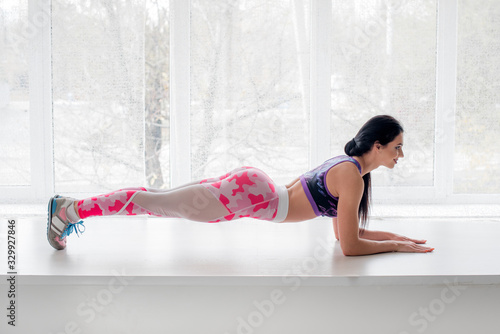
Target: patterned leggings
(243, 192)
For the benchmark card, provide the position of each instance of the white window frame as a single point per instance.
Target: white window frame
(41, 132)
(180, 92)
(38, 31)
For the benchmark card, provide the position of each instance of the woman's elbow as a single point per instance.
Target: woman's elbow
(349, 249)
(348, 252)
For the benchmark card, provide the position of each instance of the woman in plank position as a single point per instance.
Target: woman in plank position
(339, 188)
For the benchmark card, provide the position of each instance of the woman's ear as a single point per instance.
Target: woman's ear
(377, 145)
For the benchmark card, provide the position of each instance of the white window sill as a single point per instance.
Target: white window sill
(156, 251)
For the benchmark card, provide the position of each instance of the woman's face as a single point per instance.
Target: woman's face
(390, 153)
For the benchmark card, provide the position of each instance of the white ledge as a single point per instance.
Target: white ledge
(92, 280)
(152, 251)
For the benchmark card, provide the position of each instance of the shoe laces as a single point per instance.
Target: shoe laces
(78, 228)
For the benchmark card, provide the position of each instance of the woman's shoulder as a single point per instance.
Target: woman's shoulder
(339, 162)
(345, 174)
(346, 169)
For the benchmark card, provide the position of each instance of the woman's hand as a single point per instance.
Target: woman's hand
(397, 237)
(411, 246)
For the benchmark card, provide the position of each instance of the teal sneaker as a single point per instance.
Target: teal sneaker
(58, 224)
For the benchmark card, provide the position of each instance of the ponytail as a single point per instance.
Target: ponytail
(382, 128)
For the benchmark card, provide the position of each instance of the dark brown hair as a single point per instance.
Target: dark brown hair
(382, 128)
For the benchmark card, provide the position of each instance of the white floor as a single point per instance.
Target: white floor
(238, 264)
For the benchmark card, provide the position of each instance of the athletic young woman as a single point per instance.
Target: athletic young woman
(339, 188)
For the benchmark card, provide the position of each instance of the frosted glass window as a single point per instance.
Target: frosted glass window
(384, 62)
(110, 78)
(249, 86)
(477, 153)
(14, 94)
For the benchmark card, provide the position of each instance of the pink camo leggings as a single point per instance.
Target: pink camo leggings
(243, 192)
(115, 203)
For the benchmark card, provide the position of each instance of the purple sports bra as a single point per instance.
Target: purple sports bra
(314, 184)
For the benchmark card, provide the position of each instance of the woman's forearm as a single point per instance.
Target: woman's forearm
(376, 235)
(366, 247)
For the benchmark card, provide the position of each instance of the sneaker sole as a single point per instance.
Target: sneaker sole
(50, 211)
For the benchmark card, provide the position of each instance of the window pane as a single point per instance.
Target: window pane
(477, 157)
(249, 86)
(157, 95)
(110, 77)
(14, 94)
(384, 59)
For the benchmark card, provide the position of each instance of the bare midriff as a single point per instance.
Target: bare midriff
(299, 208)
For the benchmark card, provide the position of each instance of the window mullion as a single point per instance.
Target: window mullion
(41, 125)
(180, 98)
(320, 129)
(446, 77)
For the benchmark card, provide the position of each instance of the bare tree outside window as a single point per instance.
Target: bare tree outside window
(111, 82)
(15, 136)
(248, 86)
(249, 90)
(384, 62)
(157, 112)
(477, 148)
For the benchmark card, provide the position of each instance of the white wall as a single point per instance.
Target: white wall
(133, 308)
